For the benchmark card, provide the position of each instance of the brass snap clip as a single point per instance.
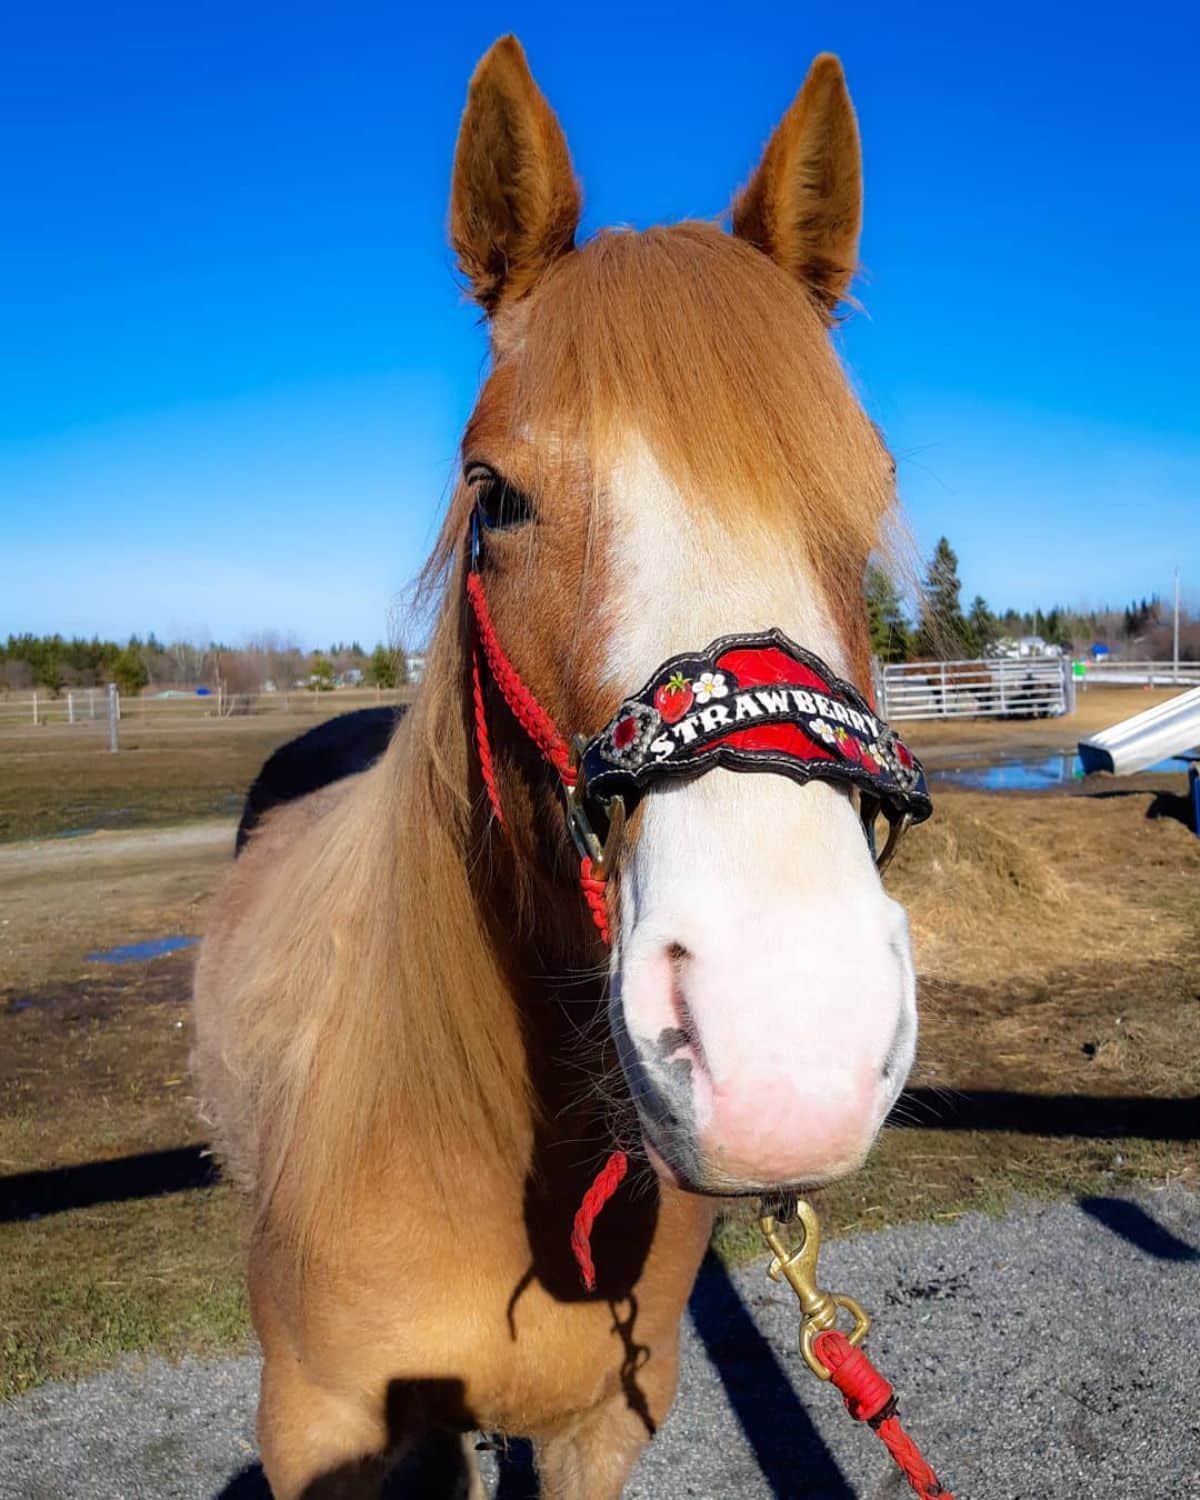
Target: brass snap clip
(583, 835)
(818, 1309)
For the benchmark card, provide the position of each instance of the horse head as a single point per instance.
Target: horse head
(666, 451)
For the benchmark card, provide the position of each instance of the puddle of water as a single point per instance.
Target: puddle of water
(116, 817)
(1035, 774)
(138, 953)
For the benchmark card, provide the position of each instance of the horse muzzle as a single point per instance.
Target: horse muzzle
(765, 1024)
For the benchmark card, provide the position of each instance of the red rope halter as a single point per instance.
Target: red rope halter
(867, 1394)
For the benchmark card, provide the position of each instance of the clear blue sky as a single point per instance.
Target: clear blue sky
(236, 362)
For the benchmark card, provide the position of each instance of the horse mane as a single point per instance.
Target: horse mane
(373, 1014)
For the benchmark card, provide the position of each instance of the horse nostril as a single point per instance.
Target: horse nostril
(900, 1045)
(685, 1033)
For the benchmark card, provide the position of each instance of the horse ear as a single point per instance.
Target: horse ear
(803, 205)
(514, 202)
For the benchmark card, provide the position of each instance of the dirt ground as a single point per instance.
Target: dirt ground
(1058, 940)
(64, 781)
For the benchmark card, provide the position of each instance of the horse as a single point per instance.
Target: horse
(412, 1044)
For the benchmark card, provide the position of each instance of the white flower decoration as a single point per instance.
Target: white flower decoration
(826, 731)
(710, 685)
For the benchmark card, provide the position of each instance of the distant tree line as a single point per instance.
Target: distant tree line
(941, 629)
(54, 663)
(937, 628)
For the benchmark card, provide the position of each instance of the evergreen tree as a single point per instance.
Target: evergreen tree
(982, 624)
(890, 635)
(942, 632)
(381, 669)
(129, 670)
(321, 670)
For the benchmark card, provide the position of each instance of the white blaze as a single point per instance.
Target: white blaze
(752, 918)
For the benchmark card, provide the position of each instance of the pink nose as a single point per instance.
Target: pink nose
(765, 1063)
(772, 1127)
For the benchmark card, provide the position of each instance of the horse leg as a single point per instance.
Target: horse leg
(315, 1444)
(593, 1456)
(319, 1446)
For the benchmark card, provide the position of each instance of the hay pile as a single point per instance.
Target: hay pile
(1018, 886)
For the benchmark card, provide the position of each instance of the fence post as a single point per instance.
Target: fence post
(70, 708)
(91, 703)
(1068, 685)
(35, 713)
(879, 684)
(114, 714)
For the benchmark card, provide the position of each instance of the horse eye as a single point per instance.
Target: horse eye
(501, 505)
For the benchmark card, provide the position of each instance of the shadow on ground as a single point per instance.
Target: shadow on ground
(1133, 1224)
(1095, 1117)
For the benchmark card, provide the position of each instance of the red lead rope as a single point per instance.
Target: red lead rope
(869, 1399)
(867, 1394)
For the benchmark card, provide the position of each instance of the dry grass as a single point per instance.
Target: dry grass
(79, 1289)
(1034, 885)
(58, 778)
(1059, 945)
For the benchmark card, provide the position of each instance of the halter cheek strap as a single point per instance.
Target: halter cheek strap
(540, 728)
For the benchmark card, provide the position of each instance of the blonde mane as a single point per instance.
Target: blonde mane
(722, 363)
(374, 1020)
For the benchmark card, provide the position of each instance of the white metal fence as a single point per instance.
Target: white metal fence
(84, 707)
(1032, 687)
(1141, 673)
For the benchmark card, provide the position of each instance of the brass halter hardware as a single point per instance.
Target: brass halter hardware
(583, 835)
(818, 1309)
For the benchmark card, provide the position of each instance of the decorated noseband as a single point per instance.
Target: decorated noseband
(753, 702)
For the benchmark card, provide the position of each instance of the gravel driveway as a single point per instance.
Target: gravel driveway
(1049, 1353)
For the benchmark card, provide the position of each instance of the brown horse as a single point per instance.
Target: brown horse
(407, 1027)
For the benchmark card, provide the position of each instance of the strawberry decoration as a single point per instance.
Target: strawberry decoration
(673, 698)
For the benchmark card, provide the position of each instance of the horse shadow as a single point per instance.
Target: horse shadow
(1131, 1222)
(791, 1454)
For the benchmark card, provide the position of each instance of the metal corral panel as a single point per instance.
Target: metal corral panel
(1031, 687)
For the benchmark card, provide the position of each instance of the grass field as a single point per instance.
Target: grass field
(60, 779)
(1058, 940)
